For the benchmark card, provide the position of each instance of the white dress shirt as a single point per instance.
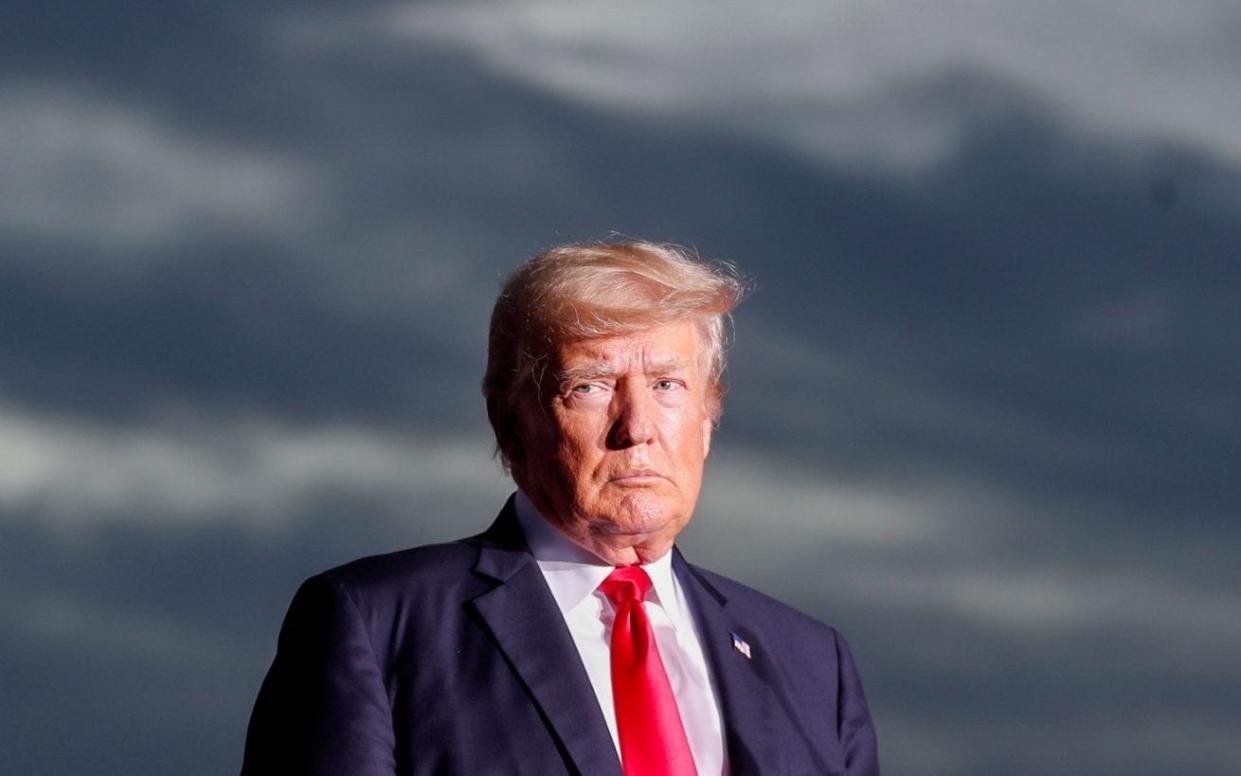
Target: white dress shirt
(574, 576)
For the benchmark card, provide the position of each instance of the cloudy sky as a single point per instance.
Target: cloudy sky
(985, 398)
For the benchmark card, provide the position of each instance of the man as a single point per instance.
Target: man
(571, 636)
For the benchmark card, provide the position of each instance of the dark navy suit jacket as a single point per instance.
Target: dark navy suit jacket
(454, 659)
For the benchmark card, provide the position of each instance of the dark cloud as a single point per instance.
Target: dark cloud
(1033, 337)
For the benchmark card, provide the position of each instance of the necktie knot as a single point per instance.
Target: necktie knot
(627, 583)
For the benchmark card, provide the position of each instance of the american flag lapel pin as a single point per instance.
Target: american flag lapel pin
(741, 645)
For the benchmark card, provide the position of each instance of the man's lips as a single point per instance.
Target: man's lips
(635, 477)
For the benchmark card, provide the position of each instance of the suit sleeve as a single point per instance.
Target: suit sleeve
(857, 732)
(323, 708)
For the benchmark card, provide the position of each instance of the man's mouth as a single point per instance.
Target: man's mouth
(635, 477)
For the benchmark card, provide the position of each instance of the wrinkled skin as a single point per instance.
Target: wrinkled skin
(613, 453)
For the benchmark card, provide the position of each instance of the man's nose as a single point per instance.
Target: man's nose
(634, 423)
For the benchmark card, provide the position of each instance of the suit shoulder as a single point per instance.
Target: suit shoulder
(408, 572)
(809, 666)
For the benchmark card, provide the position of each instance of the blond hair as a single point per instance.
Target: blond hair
(592, 290)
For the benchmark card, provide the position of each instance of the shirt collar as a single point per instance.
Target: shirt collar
(573, 574)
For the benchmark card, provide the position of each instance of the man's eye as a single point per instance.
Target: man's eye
(585, 388)
(666, 385)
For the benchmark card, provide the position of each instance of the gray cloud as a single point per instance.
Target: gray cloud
(984, 399)
(81, 169)
(1131, 70)
(73, 472)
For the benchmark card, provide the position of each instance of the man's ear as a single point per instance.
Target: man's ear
(708, 426)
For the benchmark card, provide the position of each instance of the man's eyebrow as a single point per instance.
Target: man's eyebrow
(593, 371)
(598, 369)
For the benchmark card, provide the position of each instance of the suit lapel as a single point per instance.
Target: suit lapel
(523, 617)
(746, 699)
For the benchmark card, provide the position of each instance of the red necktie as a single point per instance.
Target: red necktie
(652, 739)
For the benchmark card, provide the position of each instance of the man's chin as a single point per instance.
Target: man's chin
(639, 511)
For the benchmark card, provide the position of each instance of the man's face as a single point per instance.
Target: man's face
(614, 455)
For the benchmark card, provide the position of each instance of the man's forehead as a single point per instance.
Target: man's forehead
(662, 347)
